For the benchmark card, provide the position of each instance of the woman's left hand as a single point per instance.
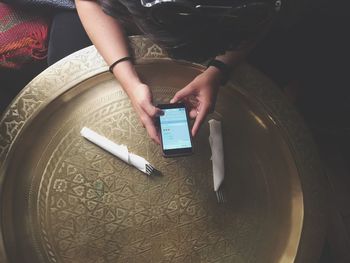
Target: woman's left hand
(200, 95)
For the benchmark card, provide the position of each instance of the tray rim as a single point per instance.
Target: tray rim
(295, 133)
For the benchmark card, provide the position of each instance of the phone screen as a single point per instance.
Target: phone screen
(175, 133)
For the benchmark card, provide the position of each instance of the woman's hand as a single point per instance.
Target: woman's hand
(141, 99)
(108, 37)
(200, 95)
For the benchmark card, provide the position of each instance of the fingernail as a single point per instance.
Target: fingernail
(172, 101)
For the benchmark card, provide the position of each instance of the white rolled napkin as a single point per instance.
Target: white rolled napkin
(217, 152)
(120, 151)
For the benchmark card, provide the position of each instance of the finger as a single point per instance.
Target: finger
(193, 113)
(151, 110)
(190, 105)
(151, 130)
(199, 119)
(182, 93)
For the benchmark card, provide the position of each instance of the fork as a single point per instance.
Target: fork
(150, 170)
(220, 196)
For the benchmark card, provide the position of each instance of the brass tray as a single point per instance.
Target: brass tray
(65, 200)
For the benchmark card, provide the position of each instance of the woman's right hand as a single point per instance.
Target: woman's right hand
(141, 99)
(108, 37)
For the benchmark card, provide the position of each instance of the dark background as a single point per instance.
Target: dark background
(313, 56)
(309, 61)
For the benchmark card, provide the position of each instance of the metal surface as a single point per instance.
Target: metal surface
(65, 200)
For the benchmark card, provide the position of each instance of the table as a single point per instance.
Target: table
(65, 200)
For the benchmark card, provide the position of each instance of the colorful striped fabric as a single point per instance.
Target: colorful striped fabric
(23, 37)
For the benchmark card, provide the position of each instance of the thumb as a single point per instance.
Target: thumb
(182, 93)
(151, 110)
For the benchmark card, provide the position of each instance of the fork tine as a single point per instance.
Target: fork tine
(217, 196)
(149, 169)
(223, 197)
(220, 196)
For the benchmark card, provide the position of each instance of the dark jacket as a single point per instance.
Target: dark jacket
(197, 40)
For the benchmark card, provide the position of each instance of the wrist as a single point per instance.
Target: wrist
(131, 87)
(126, 75)
(214, 75)
(121, 60)
(221, 68)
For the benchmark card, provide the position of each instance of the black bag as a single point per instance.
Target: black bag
(61, 4)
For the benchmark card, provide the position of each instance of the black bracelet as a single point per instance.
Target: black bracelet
(118, 61)
(224, 69)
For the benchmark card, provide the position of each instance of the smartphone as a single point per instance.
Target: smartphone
(174, 128)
